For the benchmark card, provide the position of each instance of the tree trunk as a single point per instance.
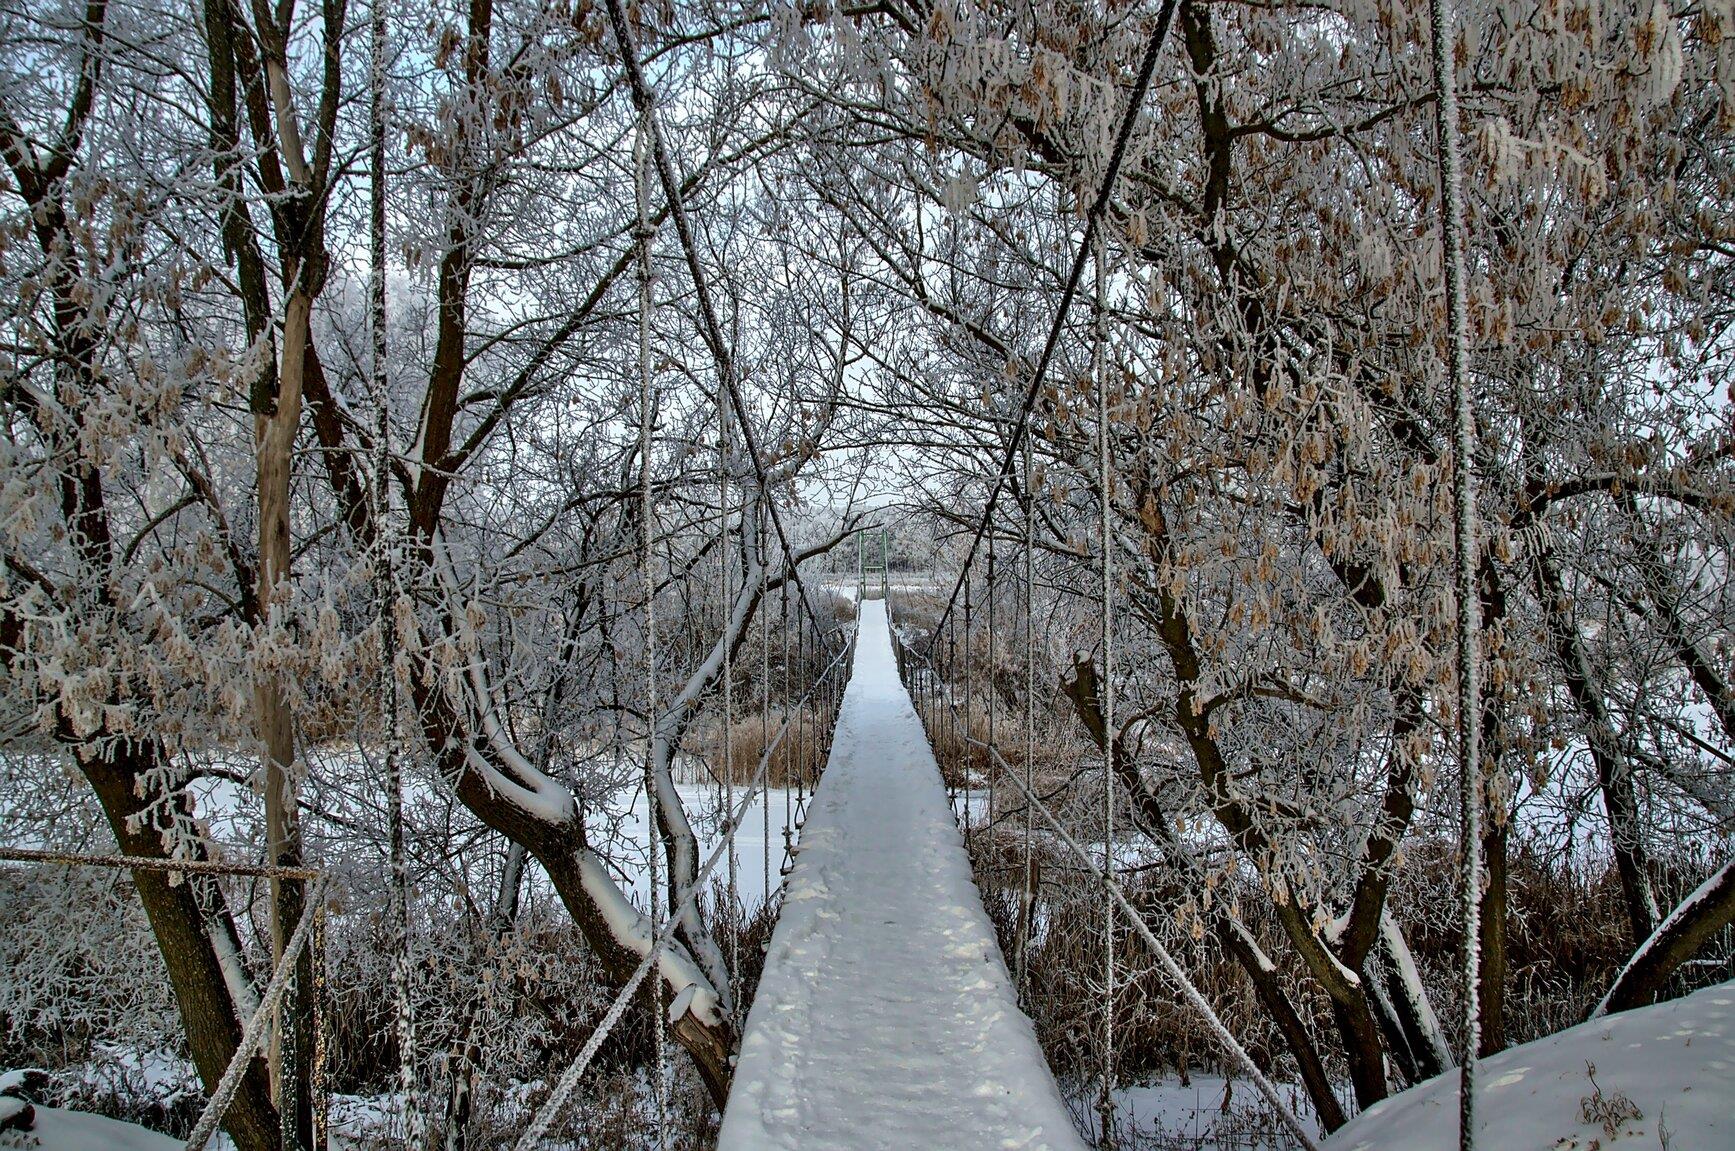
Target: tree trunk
(1401, 997)
(1492, 929)
(613, 928)
(577, 874)
(275, 421)
(1701, 915)
(1149, 816)
(1614, 773)
(196, 937)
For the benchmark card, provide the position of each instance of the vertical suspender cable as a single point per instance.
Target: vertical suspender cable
(1464, 528)
(321, 1033)
(950, 683)
(1027, 896)
(728, 695)
(648, 589)
(764, 611)
(801, 740)
(1105, 690)
(965, 751)
(788, 680)
(1092, 218)
(951, 713)
(988, 689)
(709, 328)
(399, 902)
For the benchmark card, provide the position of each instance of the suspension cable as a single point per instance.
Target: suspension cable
(1464, 529)
(398, 899)
(254, 1031)
(951, 714)
(644, 102)
(1136, 920)
(764, 736)
(993, 669)
(731, 892)
(801, 725)
(1093, 217)
(646, 233)
(1027, 897)
(969, 705)
(788, 800)
(1105, 698)
(537, 1130)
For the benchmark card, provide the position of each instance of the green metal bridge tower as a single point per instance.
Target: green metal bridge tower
(873, 557)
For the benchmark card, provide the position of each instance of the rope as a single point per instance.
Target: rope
(281, 977)
(150, 863)
(398, 910)
(788, 802)
(1177, 977)
(648, 588)
(951, 714)
(764, 736)
(317, 1074)
(397, 861)
(993, 667)
(1027, 897)
(1020, 429)
(803, 741)
(1464, 537)
(1105, 691)
(537, 1131)
(645, 103)
(969, 708)
(732, 892)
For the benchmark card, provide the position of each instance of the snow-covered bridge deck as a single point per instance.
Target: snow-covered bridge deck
(885, 1017)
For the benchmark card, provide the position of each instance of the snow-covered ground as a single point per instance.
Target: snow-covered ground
(1659, 1076)
(356, 1120)
(57, 1130)
(886, 1018)
(1209, 1111)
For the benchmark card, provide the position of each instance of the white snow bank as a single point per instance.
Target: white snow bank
(57, 1130)
(1674, 1064)
(885, 1017)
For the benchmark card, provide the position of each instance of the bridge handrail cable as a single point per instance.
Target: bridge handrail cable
(1195, 999)
(1020, 429)
(545, 1116)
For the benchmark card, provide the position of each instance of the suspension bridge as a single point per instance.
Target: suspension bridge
(886, 1016)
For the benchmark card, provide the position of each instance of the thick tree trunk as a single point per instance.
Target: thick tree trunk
(276, 419)
(1416, 1040)
(681, 845)
(196, 937)
(1266, 984)
(596, 906)
(1351, 1010)
(533, 810)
